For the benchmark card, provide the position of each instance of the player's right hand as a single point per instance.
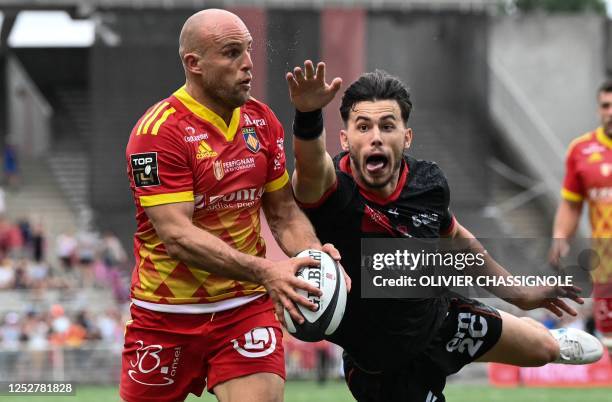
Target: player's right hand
(280, 281)
(558, 249)
(307, 88)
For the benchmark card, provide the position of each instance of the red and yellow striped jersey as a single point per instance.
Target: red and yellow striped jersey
(181, 151)
(589, 177)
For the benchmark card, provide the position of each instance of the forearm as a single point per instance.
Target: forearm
(490, 267)
(310, 156)
(294, 232)
(566, 220)
(198, 248)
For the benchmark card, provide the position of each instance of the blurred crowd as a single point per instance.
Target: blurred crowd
(81, 259)
(68, 265)
(40, 330)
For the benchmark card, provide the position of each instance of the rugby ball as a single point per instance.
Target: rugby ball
(325, 320)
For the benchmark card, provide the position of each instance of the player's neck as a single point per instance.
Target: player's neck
(202, 98)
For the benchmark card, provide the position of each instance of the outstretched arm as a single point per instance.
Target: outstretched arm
(314, 170)
(526, 298)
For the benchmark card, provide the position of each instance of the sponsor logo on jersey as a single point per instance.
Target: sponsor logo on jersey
(424, 219)
(218, 169)
(148, 364)
(244, 198)
(595, 157)
(193, 135)
(592, 148)
(195, 138)
(250, 139)
(205, 151)
(236, 165)
(253, 122)
(277, 164)
(144, 169)
(258, 342)
(600, 194)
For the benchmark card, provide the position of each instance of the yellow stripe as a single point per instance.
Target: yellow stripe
(277, 184)
(160, 199)
(152, 118)
(603, 138)
(162, 120)
(205, 113)
(576, 141)
(571, 196)
(142, 122)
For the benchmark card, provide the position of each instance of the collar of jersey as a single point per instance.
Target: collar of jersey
(208, 115)
(345, 166)
(603, 138)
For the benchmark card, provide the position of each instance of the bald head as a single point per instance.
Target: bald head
(207, 26)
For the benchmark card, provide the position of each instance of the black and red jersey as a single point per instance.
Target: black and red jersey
(373, 330)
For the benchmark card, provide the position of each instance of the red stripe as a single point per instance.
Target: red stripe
(324, 197)
(344, 57)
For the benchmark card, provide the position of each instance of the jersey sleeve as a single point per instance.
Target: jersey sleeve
(573, 189)
(335, 199)
(277, 176)
(159, 168)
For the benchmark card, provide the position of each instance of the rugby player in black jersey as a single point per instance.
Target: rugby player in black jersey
(398, 349)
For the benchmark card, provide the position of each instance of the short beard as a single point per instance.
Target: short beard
(225, 97)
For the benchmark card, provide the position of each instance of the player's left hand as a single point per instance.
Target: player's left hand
(335, 254)
(550, 298)
(307, 88)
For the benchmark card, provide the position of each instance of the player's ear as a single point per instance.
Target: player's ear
(344, 140)
(408, 137)
(190, 61)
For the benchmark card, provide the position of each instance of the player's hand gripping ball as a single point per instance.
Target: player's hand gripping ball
(329, 279)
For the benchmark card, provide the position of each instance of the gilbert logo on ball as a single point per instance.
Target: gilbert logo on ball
(330, 306)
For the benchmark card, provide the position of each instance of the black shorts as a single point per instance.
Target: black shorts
(469, 330)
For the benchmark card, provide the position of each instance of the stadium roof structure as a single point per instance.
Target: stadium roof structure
(84, 7)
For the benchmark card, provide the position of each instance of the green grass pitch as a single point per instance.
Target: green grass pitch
(336, 391)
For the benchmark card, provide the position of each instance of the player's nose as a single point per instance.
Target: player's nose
(247, 62)
(376, 137)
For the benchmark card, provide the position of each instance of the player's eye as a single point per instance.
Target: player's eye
(605, 105)
(388, 127)
(362, 127)
(232, 53)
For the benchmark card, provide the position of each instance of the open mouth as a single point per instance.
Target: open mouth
(376, 163)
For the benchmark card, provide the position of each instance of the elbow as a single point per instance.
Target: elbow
(174, 243)
(174, 250)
